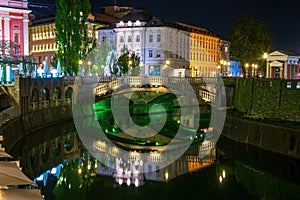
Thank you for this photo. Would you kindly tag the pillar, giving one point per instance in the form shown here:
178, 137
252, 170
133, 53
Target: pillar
268, 70
26, 37
6, 31
1, 29
285, 70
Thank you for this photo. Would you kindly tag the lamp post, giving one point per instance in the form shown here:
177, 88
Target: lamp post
228, 68
255, 66
89, 64
246, 66
167, 62
221, 65
265, 70
130, 67
81, 73
219, 69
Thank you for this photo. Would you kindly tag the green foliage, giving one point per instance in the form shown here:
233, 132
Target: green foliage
267, 99
73, 184
249, 40
53, 62
127, 60
72, 32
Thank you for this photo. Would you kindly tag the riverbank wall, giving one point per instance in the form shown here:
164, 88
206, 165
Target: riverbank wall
278, 139
16, 128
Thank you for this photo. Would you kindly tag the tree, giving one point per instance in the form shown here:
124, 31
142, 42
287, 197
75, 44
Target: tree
127, 60
9, 50
72, 33
249, 40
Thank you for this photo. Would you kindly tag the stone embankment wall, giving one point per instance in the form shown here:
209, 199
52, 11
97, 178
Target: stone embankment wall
278, 139
15, 129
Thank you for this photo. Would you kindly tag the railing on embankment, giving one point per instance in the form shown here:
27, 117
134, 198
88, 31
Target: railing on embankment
278, 139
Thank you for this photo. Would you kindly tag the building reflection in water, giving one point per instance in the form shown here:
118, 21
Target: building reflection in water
246, 173
134, 170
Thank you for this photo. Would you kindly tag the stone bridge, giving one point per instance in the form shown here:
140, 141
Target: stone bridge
32, 94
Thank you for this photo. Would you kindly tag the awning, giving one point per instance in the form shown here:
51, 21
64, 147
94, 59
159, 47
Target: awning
4, 155
10, 174
20, 194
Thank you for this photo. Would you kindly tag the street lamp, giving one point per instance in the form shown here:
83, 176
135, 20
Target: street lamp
129, 64
266, 71
246, 66
221, 65
219, 69
255, 72
167, 62
89, 64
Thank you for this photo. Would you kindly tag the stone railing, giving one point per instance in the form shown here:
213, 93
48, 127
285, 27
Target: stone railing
184, 84
9, 113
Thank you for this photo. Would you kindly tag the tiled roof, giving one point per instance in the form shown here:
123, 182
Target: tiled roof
137, 14
43, 21
289, 53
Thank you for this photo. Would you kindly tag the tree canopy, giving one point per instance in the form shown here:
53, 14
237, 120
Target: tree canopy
129, 60
72, 37
249, 41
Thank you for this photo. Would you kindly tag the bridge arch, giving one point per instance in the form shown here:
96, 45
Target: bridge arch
57, 93
69, 92
34, 100
45, 97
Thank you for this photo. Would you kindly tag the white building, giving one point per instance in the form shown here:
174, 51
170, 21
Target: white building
283, 64
163, 44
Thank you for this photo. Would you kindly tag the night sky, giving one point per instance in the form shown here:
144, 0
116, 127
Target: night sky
282, 19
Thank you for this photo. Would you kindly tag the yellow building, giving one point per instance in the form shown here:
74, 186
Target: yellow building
42, 35
208, 52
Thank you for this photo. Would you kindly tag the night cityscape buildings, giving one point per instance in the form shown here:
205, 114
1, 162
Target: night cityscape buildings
43, 116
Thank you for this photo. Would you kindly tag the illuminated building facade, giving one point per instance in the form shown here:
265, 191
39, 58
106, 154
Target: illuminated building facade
207, 51
283, 64
14, 44
14, 28
187, 50
42, 35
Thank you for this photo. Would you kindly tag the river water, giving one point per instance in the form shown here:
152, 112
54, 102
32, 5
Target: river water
230, 171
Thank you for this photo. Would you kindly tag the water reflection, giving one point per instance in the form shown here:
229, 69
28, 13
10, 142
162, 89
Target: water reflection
229, 171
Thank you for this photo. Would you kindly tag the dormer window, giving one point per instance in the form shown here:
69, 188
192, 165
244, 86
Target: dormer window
121, 23
129, 23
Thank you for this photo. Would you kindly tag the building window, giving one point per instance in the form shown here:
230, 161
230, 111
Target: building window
158, 39
121, 39
138, 38
150, 38
129, 39
150, 53
16, 38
